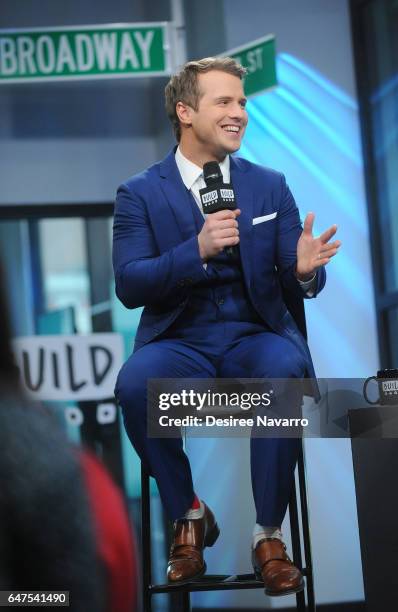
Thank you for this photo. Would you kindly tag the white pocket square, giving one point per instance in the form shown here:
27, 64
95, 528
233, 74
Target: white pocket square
257, 220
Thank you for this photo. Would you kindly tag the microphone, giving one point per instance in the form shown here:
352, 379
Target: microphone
216, 196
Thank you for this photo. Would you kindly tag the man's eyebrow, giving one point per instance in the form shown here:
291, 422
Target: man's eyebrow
219, 98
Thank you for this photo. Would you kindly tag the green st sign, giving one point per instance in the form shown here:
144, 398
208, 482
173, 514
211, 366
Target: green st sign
258, 57
81, 52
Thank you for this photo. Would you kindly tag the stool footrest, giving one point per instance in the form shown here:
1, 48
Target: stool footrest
211, 582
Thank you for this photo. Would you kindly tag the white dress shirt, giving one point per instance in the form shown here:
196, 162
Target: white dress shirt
192, 175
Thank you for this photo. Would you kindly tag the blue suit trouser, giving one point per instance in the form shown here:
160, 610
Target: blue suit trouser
273, 460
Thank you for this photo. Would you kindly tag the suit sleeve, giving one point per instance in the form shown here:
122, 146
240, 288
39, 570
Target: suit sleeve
289, 232
142, 275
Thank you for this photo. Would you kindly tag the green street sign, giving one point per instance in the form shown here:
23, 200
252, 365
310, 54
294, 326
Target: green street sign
258, 57
83, 52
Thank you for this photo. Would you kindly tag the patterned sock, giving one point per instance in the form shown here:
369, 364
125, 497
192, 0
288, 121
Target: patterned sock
195, 503
197, 509
260, 532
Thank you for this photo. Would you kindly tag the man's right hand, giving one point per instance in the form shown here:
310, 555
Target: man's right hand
220, 230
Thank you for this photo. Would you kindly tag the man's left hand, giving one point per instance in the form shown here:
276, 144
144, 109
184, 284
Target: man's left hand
312, 253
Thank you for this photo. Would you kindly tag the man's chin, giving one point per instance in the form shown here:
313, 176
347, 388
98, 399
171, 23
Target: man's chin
232, 148
225, 149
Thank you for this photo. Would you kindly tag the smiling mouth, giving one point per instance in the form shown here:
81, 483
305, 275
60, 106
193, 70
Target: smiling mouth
231, 129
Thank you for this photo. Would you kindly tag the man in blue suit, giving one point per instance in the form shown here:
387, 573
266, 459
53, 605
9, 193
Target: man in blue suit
207, 314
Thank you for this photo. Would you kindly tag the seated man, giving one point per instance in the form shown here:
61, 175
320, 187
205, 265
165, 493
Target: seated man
209, 314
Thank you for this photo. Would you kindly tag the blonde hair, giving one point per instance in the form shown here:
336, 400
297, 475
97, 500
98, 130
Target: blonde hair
183, 86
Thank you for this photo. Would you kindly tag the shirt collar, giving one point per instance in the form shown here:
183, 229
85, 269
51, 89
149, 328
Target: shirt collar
190, 172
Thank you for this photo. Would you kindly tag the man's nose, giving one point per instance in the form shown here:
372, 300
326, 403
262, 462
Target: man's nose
238, 111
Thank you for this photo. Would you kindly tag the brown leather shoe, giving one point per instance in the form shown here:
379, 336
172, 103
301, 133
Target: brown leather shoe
186, 554
272, 565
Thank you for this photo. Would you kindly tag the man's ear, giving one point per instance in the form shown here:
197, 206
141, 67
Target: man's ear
184, 113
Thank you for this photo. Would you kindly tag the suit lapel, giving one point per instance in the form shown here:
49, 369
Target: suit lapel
177, 196
244, 201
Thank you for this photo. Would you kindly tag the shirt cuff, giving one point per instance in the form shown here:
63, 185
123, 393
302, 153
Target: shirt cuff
308, 286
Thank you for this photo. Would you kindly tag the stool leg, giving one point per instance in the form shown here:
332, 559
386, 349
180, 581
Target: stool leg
146, 540
186, 601
180, 602
306, 532
296, 545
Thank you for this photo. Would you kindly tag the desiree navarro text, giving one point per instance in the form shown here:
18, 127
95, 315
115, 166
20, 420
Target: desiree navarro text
211, 421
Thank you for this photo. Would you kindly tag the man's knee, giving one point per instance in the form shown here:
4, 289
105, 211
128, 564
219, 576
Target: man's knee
290, 364
284, 361
131, 385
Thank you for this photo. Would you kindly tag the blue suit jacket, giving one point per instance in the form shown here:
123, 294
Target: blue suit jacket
156, 255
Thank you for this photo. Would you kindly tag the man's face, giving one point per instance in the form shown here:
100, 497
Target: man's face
217, 127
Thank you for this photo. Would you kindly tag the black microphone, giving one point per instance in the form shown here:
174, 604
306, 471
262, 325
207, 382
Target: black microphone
217, 195
212, 173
